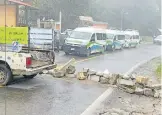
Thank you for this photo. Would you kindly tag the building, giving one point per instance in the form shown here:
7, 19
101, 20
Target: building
16, 12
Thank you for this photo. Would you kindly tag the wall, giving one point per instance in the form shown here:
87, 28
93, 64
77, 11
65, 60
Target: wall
10, 15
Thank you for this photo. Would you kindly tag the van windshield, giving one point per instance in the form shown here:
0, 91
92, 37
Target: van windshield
121, 37
80, 35
110, 36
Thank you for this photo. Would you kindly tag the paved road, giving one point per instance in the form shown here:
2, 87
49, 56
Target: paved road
45, 95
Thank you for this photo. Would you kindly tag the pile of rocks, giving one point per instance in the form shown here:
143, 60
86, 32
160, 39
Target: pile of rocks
128, 83
59, 73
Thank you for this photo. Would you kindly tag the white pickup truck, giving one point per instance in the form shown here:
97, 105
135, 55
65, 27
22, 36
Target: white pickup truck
12, 63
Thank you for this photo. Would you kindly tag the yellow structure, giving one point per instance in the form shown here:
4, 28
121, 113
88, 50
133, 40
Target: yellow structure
8, 18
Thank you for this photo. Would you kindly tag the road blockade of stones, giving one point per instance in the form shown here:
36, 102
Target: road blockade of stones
132, 84
139, 85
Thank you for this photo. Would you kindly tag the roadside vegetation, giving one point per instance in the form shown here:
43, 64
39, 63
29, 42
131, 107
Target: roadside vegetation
158, 71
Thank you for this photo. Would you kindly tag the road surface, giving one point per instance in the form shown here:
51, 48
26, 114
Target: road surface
45, 95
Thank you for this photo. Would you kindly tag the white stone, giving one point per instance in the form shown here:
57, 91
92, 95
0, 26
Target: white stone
125, 82
113, 79
94, 78
91, 72
104, 80
156, 86
85, 70
148, 92
58, 74
127, 77
71, 75
139, 91
99, 73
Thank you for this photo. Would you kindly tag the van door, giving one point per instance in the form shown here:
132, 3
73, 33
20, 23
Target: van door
93, 45
116, 42
101, 39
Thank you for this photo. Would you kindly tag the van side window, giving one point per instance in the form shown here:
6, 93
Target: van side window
99, 36
93, 37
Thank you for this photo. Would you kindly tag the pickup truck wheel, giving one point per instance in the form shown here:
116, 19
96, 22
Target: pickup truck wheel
29, 76
5, 75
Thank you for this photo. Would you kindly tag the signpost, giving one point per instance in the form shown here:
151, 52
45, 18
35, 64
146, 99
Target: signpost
17, 34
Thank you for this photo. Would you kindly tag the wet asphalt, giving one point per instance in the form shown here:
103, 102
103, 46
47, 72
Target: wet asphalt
45, 95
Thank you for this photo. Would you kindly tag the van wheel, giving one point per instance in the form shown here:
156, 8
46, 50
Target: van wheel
113, 48
129, 46
30, 76
5, 75
121, 47
88, 52
67, 53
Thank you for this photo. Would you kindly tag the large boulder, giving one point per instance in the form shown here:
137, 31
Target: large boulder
58, 74
81, 76
142, 80
139, 91
148, 92
113, 79
128, 83
85, 71
94, 78
104, 80
156, 86
91, 72
99, 73
126, 77
130, 90
70, 70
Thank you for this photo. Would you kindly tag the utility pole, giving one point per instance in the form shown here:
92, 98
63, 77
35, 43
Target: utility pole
123, 13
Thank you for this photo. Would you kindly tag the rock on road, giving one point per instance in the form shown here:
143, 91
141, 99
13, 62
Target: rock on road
45, 95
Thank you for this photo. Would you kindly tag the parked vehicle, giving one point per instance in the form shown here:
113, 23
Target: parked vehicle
85, 41
132, 38
28, 59
158, 40
115, 39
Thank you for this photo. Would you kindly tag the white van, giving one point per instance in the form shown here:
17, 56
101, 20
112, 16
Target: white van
132, 38
115, 39
85, 41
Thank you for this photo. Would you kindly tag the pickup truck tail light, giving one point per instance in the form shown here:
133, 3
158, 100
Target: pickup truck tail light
28, 62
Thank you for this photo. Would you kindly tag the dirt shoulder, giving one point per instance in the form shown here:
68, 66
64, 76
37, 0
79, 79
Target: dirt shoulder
122, 103
149, 69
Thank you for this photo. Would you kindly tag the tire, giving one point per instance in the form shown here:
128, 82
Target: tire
129, 46
30, 76
67, 53
88, 52
113, 48
5, 75
121, 47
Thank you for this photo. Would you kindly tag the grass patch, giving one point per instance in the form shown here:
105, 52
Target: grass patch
158, 71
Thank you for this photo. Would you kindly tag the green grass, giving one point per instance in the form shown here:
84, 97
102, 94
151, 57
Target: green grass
158, 71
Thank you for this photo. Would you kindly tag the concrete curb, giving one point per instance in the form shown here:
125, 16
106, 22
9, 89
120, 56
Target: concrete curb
91, 109
136, 66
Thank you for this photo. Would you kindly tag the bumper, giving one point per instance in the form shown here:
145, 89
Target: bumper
75, 49
158, 42
32, 71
